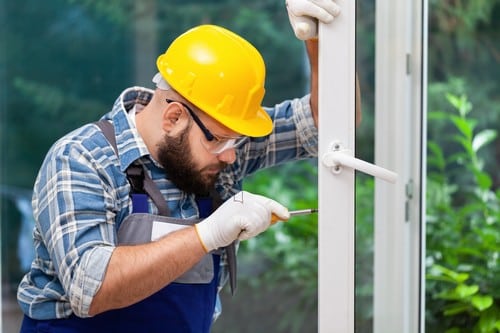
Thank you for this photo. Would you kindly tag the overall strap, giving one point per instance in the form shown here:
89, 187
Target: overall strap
140, 181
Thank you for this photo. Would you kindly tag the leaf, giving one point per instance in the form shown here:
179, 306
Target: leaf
437, 115
442, 273
439, 278
464, 290
460, 293
482, 138
465, 142
464, 126
482, 302
483, 180
435, 156
454, 100
461, 103
470, 251
488, 320
455, 308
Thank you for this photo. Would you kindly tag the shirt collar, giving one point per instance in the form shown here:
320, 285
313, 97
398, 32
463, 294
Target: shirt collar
130, 144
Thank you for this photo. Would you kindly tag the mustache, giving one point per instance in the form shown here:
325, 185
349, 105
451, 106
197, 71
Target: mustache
219, 166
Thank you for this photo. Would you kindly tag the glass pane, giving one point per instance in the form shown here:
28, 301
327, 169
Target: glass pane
463, 182
365, 59
62, 65
65, 64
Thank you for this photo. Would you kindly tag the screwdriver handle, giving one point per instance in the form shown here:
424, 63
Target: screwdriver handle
275, 218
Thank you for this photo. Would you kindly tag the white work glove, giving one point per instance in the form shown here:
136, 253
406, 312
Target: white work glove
305, 14
243, 216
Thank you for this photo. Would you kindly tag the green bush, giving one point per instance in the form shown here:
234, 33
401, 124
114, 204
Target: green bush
463, 234
290, 250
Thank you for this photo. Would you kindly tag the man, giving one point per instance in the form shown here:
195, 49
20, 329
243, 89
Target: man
136, 215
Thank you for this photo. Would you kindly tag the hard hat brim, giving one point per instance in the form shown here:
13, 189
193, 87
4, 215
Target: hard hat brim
260, 125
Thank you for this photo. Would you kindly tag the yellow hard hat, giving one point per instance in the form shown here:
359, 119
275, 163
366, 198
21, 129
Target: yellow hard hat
222, 74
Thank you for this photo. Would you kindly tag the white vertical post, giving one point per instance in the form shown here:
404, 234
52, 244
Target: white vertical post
400, 145
336, 79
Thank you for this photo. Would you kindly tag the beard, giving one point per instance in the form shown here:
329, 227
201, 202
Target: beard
175, 155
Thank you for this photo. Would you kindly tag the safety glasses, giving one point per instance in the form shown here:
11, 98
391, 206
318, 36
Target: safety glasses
214, 144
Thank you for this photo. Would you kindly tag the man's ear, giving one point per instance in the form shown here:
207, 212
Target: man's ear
173, 117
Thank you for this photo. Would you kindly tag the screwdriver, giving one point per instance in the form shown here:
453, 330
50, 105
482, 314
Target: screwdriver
275, 218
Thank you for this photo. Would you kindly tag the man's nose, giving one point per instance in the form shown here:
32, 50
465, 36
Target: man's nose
227, 156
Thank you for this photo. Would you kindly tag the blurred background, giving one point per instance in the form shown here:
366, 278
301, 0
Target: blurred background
64, 62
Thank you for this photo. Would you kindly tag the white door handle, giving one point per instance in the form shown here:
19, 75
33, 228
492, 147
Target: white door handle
343, 157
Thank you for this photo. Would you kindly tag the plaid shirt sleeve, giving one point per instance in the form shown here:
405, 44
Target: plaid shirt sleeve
294, 137
74, 205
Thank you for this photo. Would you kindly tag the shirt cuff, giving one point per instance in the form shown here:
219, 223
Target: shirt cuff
306, 129
88, 279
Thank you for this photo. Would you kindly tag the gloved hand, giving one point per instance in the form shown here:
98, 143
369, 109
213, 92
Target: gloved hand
305, 14
242, 216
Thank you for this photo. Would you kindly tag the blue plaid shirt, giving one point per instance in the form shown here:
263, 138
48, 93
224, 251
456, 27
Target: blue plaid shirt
81, 196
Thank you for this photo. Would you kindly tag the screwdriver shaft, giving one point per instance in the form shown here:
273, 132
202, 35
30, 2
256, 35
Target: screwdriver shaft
275, 218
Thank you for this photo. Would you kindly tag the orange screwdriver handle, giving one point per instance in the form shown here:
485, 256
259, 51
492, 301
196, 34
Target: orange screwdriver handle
275, 219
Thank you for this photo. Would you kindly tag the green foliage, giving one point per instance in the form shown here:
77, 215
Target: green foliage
463, 234
290, 249
117, 11
60, 65
463, 52
463, 291
67, 61
486, 113
464, 32
471, 310
463, 17
292, 245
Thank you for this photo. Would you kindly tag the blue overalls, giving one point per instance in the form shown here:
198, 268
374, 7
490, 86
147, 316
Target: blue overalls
184, 306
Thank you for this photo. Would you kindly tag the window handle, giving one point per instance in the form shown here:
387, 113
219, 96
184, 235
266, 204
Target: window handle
340, 157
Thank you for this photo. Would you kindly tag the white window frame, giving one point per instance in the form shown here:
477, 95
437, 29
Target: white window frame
399, 145
400, 141
336, 231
